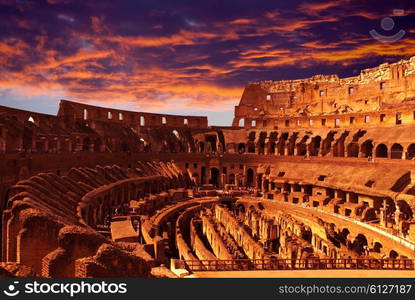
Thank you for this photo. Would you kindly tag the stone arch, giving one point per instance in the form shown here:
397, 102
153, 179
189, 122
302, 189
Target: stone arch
214, 177
327, 143
302, 146
291, 143
338, 147
281, 143
98, 145
261, 142
307, 234
231, 178
314, 146
377, 247
251, 147
211, 142
241, 148
250, 177
176, 133
393, 254
353, 149
86, 144
241, 208
406, 209
66, 145
366, 149
369, 214
410, 153
203, 175
272, 142
396, 151
381, 151
201, 147
345, 232
359, 244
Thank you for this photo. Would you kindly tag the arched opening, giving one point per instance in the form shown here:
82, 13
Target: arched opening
291, 143
211, 141
66, 145
411, 152
86, 144
232, 178
359, 244
201, 147
251, 147
393, 254
382, 151
98, 145
142, 145
302, 146
261, 142
307, 234
338, 147
272, 142
396, 151
176, 133
377, 247
281, 143
31, 119
271, 149
214, 177
405, 209
203, 175
241, 123
344, 234
250, 177
241, 148
85, 114
353, 149
315, 146
367, 148
142, 121
327, 143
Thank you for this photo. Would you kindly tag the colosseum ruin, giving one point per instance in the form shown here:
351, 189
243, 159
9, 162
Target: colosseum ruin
314, 174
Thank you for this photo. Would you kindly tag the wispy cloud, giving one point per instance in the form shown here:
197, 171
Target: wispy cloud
184, 55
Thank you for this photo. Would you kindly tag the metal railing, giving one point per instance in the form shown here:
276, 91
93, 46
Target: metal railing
300, 264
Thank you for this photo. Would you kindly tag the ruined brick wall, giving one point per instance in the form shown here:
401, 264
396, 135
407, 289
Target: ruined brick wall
45, 223
380, 88
237, 229
215, 240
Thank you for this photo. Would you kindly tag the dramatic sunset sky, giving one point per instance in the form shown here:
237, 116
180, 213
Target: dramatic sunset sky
184, 57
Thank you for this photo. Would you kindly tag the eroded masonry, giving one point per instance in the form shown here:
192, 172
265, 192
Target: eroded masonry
313, 174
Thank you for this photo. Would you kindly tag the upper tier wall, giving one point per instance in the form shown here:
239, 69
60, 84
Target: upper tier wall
79, 111
380, 88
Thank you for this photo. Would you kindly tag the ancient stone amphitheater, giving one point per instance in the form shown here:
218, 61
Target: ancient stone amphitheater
313, 174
